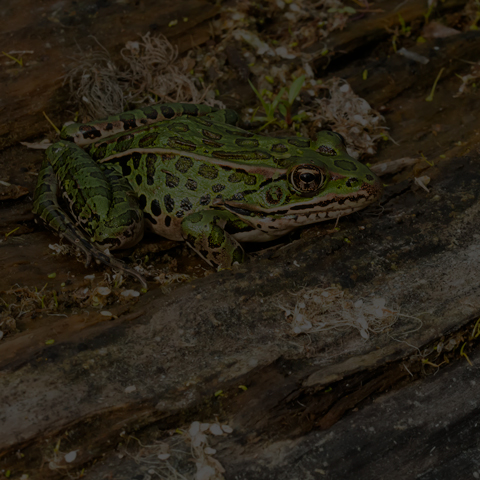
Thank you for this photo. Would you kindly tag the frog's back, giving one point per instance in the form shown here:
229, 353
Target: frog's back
203, 136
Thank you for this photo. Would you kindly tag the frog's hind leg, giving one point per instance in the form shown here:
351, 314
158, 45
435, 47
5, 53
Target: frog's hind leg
99, 201
205, 232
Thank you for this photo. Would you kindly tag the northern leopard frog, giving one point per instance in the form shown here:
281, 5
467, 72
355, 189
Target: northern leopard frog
188, 173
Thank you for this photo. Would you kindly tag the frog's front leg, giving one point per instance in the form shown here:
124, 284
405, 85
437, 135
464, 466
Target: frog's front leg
102, 211
206, 232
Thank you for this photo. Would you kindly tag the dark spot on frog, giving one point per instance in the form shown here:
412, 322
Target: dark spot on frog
346, 165
326, 150
142, 201
169, 203
203, 121
168, 221
191, 184
208, 171
186, 204
171, 181
211, 135
279, 148
179, 214
151, 113
190, 109
237, 196
136, 157
235, 177
247, 142
205, 199
274, 195
240, 133
212, 143
129, 121
218, 188
181, 144
349, 182
108, 127
369, 177
139, 179
183, 164
89, 132
122, 161
249, 180
151, 161
148, 217
167, 112
155, 207
299, 142
148, 140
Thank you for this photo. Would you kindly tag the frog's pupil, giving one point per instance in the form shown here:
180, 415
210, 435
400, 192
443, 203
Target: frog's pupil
307, 177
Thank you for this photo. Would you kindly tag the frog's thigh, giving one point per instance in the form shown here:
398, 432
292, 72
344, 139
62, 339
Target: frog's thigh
124, 219
204, 231
100, 199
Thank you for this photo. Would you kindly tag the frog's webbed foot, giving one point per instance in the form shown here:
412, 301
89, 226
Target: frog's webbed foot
92, 252
205, 233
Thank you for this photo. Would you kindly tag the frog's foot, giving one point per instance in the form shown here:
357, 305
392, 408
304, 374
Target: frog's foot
92, 252
205, 233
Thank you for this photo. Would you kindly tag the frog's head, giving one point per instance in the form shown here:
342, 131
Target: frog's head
325, 182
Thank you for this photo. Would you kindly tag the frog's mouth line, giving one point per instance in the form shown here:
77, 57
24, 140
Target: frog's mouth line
341, 204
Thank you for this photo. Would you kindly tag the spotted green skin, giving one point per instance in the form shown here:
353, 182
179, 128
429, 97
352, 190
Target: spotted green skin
188, 173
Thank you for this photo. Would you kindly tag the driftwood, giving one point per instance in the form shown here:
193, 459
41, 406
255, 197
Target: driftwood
318, 405
65, 31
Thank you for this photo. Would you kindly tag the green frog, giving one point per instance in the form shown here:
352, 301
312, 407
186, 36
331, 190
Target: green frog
187, 172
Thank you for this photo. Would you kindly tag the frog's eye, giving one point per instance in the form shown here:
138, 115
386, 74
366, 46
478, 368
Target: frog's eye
307, 180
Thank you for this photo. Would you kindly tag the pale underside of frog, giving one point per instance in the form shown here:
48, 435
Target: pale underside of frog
186, 172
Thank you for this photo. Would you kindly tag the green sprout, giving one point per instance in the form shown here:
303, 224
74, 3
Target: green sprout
284, 107
10, 232
398, 32
430, 97
51, 123
463, 354
11, 57
476, 330
404, 29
